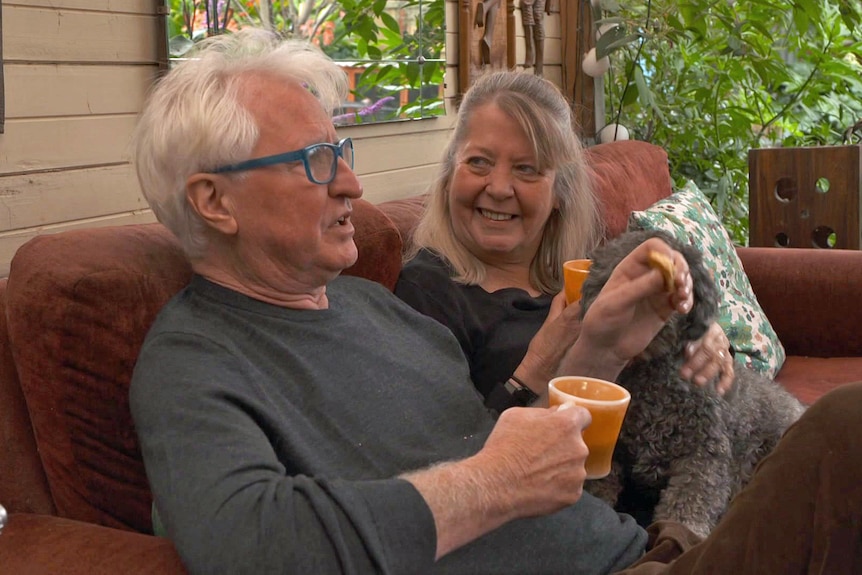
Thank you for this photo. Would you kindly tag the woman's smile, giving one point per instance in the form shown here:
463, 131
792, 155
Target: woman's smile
495, 216
499, 198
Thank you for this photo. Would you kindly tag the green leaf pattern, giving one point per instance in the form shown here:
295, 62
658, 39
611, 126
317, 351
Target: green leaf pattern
688, 216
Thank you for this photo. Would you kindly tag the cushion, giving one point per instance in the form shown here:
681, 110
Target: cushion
688, 216
379, 244
808, 378
627, 175
405, 214
42, 544
79, 305
23, 486
811, 297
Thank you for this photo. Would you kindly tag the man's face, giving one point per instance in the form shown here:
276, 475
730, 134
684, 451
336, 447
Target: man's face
292, 234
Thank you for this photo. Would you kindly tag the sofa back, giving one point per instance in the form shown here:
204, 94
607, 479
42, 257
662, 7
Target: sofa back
79, 304
627, 176
23, 486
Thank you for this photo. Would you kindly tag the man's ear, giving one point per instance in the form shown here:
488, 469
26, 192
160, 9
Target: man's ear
206, 194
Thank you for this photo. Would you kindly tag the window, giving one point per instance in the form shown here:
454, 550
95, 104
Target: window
391, 50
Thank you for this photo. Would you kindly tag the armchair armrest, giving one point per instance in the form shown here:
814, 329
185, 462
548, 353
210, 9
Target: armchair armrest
810, 296
33, 543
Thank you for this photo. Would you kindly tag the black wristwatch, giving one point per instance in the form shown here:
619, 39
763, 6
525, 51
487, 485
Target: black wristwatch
522, 394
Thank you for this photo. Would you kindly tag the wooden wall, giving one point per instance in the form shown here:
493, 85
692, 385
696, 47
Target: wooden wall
76, 75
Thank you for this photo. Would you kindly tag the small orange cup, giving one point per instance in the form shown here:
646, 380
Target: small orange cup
607, 403
574, 274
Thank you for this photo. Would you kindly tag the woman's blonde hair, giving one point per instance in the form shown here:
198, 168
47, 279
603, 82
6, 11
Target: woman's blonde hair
544, 114
194, 120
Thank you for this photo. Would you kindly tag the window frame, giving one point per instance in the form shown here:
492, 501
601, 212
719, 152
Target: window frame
404, 105
2, 84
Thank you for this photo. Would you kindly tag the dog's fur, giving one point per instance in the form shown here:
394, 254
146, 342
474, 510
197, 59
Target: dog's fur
681, 444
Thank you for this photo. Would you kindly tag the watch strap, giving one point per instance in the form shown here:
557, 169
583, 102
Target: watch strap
522, 394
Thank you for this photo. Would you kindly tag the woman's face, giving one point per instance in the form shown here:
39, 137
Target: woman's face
498, 200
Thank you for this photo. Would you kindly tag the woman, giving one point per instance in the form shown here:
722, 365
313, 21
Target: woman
513, 201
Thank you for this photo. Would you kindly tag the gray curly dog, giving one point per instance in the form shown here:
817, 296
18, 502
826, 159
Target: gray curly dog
682, 447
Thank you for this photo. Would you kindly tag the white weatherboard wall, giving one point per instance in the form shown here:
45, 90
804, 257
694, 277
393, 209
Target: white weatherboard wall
76, 75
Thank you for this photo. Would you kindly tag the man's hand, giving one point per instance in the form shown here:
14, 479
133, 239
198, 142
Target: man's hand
531, 464
538, 455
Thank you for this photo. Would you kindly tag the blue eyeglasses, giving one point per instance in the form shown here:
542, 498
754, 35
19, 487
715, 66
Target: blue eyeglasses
320, 160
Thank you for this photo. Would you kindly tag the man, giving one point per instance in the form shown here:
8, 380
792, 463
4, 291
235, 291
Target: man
293, 420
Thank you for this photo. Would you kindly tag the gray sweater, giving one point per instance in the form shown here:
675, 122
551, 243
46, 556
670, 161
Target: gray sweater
272, 438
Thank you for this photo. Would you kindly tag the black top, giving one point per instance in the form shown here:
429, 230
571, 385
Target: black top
494, 329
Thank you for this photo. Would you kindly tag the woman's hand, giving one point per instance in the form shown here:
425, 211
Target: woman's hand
630, 310
708, 358
550, 344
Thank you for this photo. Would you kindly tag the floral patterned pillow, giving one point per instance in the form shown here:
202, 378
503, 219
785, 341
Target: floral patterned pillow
688, 216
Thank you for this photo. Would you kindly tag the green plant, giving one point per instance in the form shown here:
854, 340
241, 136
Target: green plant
709, 80
405, 55
398, 44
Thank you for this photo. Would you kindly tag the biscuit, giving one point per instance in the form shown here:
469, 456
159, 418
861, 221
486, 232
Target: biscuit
664, 264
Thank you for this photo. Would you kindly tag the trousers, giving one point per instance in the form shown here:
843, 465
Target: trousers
801, 513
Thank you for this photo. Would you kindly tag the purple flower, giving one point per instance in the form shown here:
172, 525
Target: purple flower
375, 106
366, 111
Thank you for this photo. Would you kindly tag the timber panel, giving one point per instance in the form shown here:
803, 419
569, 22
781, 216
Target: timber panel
115, 6
384, 186
36, 200
53, 144
32, 90
806, 197
52, 35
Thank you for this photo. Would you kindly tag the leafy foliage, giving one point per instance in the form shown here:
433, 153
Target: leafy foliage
397, 44
708, 80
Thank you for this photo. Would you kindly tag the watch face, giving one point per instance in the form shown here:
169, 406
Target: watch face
524, 396
521, 394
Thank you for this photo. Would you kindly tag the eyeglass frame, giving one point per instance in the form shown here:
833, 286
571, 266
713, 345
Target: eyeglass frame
295, 156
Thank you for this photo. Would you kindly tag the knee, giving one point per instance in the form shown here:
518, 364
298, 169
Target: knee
837, 412
845, 400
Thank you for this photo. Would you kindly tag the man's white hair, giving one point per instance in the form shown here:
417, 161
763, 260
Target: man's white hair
193, 120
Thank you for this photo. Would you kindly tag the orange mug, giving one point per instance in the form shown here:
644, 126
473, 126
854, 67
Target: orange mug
574, 274
607, 403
